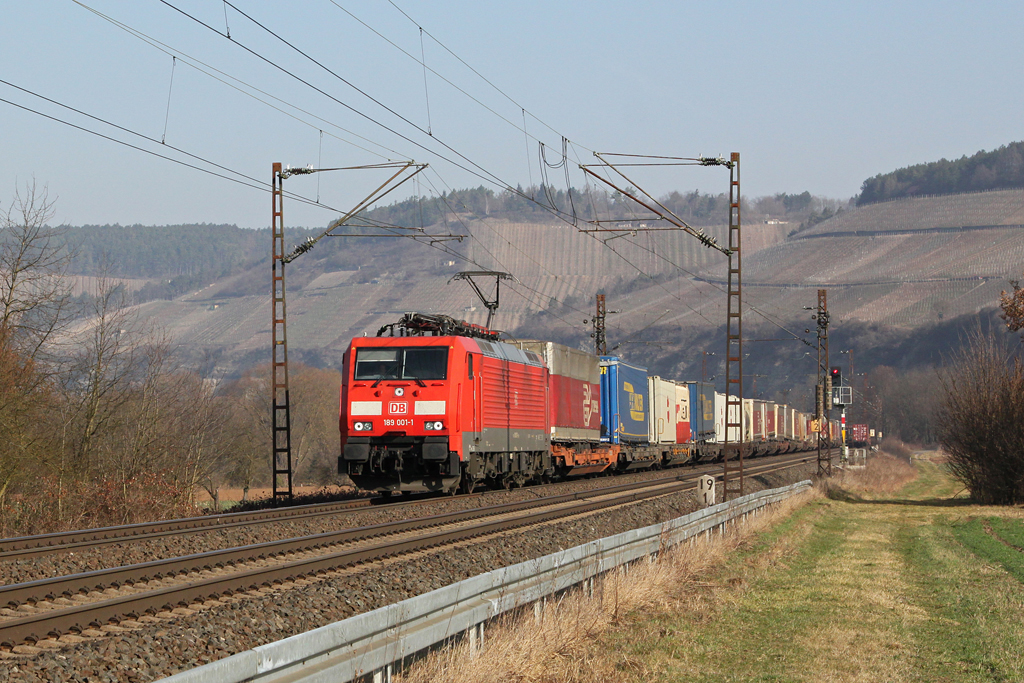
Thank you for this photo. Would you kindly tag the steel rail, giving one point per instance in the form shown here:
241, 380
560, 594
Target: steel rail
47, 589
56, 621
26, 547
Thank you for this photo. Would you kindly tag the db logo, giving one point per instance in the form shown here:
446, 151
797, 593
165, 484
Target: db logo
590, 404
398, 408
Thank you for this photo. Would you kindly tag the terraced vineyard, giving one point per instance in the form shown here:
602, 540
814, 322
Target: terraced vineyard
910, 264
999, 207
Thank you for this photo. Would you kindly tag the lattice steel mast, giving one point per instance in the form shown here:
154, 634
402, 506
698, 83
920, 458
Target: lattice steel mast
282, 433
281, 454
733, 445
732, 449
600, 335
824, 389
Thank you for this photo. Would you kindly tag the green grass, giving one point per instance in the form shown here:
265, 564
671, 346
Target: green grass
1001, 546
907, 589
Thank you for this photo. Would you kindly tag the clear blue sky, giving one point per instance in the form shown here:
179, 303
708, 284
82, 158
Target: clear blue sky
815, 96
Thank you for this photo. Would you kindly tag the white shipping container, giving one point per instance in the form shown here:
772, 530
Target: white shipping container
735, 416
719, 417
758, 422
772, 422
748, 420
682, 413
661, 421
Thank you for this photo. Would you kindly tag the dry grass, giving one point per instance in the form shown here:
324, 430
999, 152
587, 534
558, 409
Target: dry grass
563, 646
896, 447
883, 475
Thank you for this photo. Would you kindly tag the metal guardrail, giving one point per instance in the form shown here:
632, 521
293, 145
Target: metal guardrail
372, 642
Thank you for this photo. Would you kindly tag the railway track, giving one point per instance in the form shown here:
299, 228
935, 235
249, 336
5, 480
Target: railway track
27, 547
51, 607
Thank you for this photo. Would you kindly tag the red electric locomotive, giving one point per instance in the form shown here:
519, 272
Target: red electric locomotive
433, 413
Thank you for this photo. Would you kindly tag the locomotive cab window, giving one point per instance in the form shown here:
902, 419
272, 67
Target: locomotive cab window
418, 362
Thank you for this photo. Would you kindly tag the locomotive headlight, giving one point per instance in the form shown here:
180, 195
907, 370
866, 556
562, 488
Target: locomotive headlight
363, 426
399, 391
433, 426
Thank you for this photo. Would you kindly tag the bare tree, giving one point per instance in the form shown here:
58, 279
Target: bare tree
34, 297
314, 399
202, 441
25, 403
34, 262
248, 430
110, 350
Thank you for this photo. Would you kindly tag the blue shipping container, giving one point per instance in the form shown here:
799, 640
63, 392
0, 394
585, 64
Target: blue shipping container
702, 411
624, 402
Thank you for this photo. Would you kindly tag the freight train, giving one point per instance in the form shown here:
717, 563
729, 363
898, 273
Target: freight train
436, 404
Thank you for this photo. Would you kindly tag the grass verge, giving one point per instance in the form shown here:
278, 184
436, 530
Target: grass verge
568, 642
888, 578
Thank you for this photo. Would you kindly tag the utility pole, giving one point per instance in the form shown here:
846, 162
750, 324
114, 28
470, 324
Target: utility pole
733, 446
824, 389
600, 337
282, 453
732, 449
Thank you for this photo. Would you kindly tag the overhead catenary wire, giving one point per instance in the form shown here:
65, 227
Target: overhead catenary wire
206, 69
492, 177
170, 88
426, 92
478, 74
423, 63
252, 182
255, 183
511, 244
480, 171
242, 179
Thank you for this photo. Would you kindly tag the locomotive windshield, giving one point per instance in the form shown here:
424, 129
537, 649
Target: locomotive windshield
414, 362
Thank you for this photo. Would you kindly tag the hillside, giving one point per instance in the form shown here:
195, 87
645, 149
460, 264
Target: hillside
899, 274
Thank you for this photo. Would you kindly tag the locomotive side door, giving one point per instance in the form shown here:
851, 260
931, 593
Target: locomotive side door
475, 395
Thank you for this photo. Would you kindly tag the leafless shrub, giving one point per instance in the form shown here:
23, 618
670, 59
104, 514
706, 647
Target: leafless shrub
982, 421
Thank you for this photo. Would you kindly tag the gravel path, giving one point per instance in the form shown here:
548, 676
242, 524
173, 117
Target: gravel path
164, 646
